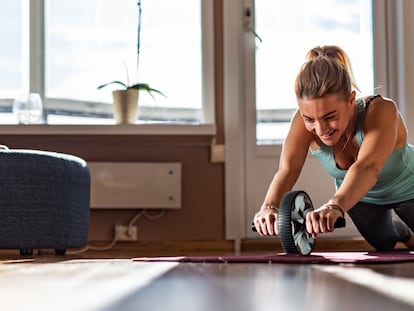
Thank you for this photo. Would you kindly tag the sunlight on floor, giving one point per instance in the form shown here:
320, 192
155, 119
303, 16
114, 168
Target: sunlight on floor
398, 288
74, 284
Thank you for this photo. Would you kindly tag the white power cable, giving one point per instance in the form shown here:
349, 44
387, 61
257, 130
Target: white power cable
114, 240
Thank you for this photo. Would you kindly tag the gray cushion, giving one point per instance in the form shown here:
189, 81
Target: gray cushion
44, 200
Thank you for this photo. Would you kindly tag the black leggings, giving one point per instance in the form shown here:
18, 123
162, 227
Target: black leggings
378, 226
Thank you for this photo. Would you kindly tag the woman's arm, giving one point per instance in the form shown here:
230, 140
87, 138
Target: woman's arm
293, 156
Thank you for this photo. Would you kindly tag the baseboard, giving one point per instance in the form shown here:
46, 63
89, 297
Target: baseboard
222, 247
203, 247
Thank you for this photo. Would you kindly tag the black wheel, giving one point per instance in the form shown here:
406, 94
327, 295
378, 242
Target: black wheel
60, 252
26, 251
292, 223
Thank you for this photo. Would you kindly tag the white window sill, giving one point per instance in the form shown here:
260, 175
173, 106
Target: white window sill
133, 129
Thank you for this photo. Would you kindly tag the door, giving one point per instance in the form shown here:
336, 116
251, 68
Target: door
273, 39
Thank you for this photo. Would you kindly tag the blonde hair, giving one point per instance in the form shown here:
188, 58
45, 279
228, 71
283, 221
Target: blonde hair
327, 71
335, 52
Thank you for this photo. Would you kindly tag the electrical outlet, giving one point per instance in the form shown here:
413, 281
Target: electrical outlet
126, 233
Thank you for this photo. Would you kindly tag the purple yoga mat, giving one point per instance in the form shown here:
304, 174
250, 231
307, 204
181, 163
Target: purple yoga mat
313, 258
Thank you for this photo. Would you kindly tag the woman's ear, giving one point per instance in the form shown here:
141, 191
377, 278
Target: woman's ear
352, 98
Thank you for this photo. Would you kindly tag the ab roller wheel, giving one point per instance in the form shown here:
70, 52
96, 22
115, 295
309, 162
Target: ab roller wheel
294, 237
292, 223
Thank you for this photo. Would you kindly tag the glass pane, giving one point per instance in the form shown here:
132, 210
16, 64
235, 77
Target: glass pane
91, 42
11, 52
289, 29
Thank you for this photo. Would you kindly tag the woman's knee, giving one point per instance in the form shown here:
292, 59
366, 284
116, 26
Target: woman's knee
375, 224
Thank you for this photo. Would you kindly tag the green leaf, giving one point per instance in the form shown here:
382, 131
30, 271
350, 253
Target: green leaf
137, 86
146, 87
113, 82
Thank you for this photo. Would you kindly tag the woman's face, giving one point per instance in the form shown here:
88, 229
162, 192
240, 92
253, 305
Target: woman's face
327, 117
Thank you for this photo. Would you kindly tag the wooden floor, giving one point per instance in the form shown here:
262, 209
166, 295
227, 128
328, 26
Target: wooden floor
110, 280
260, 287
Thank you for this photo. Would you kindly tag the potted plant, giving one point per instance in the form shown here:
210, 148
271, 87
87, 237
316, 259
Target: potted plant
125, 100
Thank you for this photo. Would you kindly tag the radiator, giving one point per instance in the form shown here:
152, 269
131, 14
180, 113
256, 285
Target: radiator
135, 185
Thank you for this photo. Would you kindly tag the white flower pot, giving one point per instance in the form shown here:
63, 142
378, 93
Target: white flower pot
125, 106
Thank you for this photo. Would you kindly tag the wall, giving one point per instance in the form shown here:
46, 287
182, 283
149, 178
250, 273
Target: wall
201, 216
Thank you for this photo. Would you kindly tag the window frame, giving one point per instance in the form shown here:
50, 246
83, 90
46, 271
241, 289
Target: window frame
36, 59
382, 52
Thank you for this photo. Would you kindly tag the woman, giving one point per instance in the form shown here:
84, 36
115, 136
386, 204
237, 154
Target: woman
361, 142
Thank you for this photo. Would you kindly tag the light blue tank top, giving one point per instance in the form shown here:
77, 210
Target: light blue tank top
396, 180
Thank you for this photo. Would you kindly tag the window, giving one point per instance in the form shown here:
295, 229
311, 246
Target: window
78, 45
12, 65
287, 30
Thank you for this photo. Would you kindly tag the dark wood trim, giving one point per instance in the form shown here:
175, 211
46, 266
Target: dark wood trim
196, 248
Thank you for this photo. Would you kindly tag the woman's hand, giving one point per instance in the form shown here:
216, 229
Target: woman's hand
265, 220
322, 220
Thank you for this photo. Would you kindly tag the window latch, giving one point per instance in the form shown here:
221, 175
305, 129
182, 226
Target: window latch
249, 23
